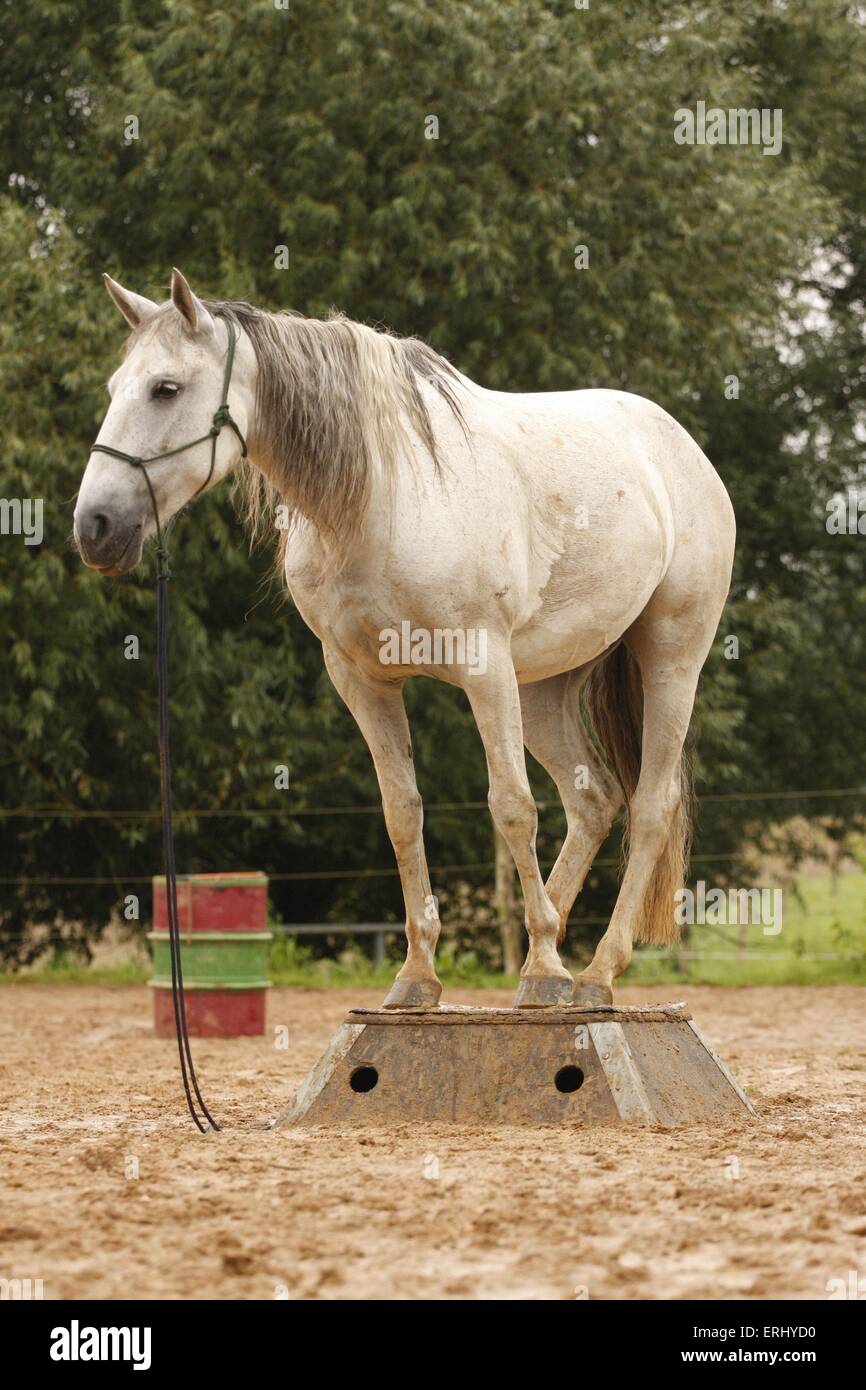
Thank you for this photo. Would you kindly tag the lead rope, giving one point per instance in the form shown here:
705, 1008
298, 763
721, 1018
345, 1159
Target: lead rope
177, 990
221, 417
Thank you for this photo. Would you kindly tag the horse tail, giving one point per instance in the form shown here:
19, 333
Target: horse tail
613, 702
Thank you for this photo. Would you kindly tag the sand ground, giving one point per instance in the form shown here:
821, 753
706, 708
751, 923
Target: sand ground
107, 1191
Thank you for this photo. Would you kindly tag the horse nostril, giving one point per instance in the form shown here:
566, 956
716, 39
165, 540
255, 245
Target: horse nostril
94, 531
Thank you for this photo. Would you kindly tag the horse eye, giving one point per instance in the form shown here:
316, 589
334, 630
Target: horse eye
165, 390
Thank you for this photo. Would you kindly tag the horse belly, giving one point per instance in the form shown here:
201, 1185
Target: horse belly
570, 630
589, 584
599, 532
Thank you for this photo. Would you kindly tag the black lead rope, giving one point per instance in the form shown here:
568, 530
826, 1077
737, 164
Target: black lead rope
177, 991
221, 417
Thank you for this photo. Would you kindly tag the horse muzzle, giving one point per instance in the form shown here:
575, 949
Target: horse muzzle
108, 543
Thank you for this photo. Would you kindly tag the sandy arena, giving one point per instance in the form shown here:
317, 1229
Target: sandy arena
514, 1214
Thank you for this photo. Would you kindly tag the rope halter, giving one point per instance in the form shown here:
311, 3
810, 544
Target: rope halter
222, 416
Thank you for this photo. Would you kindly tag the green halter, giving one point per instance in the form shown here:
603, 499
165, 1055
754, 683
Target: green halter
222, 416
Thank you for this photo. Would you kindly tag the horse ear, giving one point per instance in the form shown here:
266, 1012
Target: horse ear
188, 304
134, 307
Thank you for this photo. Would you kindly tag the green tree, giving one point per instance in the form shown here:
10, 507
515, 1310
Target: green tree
255, 129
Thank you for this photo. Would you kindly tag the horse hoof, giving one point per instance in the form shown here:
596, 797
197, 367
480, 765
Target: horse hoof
588, 994
413, 994
543, 991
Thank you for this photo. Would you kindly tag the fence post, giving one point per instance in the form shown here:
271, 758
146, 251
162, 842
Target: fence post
506, 906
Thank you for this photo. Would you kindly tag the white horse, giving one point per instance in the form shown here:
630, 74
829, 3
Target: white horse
563, 558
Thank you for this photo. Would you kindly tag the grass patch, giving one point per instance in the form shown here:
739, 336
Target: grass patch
290, 962
822, 941
71, 970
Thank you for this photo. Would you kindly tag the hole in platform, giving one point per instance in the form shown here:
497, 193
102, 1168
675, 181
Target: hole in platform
365, 1078
568, 1079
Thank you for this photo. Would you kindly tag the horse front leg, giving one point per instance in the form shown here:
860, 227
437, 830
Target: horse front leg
381, 716
494, 698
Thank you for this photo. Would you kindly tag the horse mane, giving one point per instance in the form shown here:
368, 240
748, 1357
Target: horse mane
332, 397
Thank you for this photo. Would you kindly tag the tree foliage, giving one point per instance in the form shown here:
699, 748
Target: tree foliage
257, 128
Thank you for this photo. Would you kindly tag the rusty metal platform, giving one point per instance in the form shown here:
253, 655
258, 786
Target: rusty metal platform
458, 1065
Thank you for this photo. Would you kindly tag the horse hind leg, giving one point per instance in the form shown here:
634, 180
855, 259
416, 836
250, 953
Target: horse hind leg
659, 810
554, 733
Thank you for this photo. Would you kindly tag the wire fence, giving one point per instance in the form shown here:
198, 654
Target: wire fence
79, 813
59, 812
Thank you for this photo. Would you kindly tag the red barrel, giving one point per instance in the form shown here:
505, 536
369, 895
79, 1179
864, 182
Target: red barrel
222, 919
